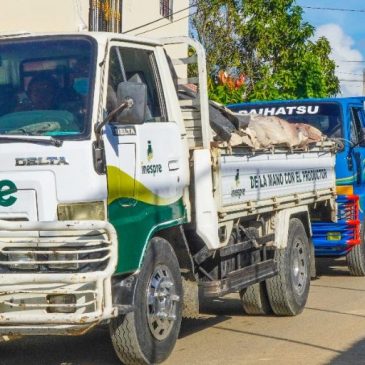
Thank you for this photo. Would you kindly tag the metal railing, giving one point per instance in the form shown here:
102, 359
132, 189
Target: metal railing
105, 16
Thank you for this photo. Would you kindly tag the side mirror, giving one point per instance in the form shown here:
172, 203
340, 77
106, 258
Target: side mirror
361, 142
138, 93
129, 107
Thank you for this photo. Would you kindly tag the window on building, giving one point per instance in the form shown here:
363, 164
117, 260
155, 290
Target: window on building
166, 8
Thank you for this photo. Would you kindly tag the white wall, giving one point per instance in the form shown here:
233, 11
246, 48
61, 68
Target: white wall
136, 13
67, 16
139, 12
42, 15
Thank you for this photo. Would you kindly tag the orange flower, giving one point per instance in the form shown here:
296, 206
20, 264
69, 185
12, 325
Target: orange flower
240, 81
230, 83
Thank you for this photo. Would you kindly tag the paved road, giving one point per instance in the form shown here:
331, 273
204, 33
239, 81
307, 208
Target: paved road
331, 330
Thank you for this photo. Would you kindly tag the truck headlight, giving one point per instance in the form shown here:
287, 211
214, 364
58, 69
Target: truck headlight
81, 211
65, 261
23, 261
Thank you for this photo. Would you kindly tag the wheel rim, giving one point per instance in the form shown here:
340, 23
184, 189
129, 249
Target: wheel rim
161, 302
299, 267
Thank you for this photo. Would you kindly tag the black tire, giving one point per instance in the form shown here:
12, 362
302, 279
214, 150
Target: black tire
313, 268
356, 257
254, 299
288, 291
140, 337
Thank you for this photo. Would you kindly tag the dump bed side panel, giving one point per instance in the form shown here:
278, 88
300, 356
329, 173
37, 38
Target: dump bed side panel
247, 178
253, 178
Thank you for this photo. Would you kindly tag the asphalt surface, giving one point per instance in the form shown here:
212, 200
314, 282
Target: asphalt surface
331, 330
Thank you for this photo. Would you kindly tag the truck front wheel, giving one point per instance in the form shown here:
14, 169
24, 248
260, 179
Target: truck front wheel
356, 257
288, 291
149, 333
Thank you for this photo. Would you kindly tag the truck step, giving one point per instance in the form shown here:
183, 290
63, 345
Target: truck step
239, 279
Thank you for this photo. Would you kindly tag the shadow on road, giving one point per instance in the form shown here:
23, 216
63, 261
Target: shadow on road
226, 306
94, 348
355, 355
190, 326
331, 266
221, 308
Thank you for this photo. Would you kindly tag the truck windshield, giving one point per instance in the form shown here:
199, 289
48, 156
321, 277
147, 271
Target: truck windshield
324, 116
46, 86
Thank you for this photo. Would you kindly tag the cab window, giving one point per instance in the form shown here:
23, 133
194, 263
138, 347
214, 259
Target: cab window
136, 65
46, 86
356, 131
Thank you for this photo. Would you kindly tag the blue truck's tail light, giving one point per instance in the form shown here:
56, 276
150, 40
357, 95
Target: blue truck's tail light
349, 212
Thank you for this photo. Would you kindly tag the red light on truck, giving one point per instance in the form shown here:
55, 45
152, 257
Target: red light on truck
352, 212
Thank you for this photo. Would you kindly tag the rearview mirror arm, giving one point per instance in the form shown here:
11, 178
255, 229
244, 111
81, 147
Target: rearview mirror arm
98, 145
126, 104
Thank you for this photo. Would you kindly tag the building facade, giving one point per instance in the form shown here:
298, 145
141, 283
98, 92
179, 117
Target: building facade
151, 18
156, 18
43, 15
148, 18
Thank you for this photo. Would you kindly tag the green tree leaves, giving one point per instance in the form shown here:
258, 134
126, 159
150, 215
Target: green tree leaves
269, 43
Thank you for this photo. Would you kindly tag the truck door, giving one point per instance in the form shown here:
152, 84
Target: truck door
144, 161
357, 139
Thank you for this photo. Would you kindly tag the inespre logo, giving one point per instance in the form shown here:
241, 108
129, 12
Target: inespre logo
7, 188
149, 151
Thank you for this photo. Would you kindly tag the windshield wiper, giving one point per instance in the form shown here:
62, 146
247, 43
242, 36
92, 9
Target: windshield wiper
32, 139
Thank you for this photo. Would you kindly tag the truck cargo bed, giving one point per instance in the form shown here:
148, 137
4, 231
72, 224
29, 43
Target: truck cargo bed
252, 182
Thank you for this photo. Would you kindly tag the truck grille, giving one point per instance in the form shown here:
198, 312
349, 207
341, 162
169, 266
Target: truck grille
45, 255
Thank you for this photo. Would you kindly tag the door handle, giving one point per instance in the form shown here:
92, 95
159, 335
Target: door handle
174, 165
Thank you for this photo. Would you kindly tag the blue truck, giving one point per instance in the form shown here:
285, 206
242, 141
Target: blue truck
344, 120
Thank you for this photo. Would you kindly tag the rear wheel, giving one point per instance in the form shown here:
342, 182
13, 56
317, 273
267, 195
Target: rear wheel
356, 257
288, 291
149, 333
255, 300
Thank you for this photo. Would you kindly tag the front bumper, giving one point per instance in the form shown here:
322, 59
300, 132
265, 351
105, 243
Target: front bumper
337, 239
42, 260
334, 247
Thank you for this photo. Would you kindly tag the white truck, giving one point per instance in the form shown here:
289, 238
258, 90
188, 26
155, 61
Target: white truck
117, 207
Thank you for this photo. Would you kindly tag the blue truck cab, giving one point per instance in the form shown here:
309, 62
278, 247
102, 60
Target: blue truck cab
344, 120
